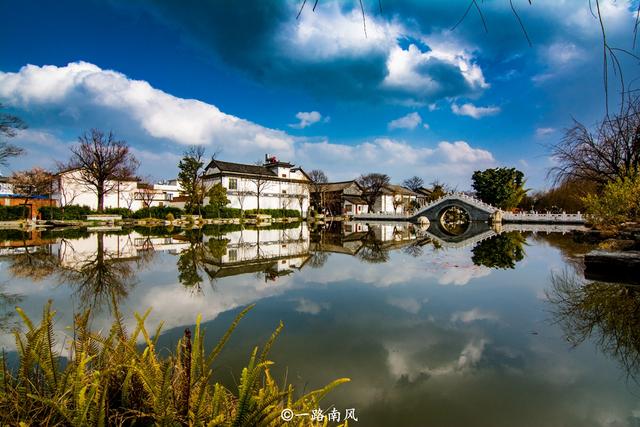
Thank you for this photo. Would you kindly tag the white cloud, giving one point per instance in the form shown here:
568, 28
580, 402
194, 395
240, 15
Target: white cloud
333, 33
307, 119
471, 110
310, 307
451, 161
541, 132
410, 121
81, 85
159, 124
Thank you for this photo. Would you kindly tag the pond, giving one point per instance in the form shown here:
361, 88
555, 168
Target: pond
483, 327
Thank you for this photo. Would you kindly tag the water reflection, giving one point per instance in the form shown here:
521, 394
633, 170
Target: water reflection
434, 329
607, 312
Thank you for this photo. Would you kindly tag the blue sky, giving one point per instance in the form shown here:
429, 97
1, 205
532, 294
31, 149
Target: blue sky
247, 78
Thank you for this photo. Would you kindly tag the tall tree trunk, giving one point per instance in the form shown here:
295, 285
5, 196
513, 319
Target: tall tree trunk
100, 197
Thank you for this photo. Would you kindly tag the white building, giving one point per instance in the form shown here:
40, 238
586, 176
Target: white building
394, 199
6, 188
70, 189
274, 185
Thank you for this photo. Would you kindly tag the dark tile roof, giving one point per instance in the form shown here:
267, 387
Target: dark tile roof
355, 199
337, 186
241, 168
397, 189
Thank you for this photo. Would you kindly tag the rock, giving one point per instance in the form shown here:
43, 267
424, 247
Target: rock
620, 267
616, 244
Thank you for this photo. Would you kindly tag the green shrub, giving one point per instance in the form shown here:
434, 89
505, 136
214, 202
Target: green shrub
124, 212
159, 212
13, 213
211, 211
170, 217
72, 212
276, 213
618, 202
13, 235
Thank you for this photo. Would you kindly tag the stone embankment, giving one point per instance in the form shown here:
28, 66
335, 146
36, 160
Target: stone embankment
617, 258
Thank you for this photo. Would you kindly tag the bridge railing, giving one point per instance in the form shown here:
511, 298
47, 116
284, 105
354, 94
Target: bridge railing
543, 217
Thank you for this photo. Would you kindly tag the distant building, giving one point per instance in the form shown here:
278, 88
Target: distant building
273, 185
5, 186
69, 189
394, 199
341, 198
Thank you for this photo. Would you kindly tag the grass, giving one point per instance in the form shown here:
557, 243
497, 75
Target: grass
109, 379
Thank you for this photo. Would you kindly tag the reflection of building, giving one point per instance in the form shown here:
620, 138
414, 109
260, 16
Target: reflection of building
274, 252
273, 185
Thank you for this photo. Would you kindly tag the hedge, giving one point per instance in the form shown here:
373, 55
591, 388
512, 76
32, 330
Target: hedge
12, 213
13, 235
123, 212
210, 211
73, 212
275, 213
159, 212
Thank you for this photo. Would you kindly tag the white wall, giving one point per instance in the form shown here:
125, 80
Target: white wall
72, 191
274, 194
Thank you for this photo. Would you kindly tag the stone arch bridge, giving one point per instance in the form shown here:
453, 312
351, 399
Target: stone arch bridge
476, 210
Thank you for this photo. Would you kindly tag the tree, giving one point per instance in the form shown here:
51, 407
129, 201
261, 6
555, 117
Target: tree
397, 201
618, 202
609, 152
9, 127
102, 161
241, 196
31, 183
372, 185
301, 195
318, 179
414, 183
190, 177
218, 197
146, 194
500, 187
261, 183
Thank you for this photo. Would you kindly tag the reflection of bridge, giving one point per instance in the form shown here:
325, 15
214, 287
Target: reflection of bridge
476, 209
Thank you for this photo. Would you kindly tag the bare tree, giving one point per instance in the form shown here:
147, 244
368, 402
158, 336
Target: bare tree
102, 161
372, 185
241, 196
9, 127
414, 183
610, 151
32, 183
146, 194
301, 195
318, 179
261, 183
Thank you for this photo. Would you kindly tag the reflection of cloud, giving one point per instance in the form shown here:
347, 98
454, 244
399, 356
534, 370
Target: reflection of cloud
410, 305
402, 362
473, 315
310, 307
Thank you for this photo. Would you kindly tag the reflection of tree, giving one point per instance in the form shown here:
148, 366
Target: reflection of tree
193, 260
501, 251
373, 250
34, 263
100, 277
318, 259
608, 312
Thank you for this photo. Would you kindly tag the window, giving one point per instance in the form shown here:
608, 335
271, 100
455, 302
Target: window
233, 184
233, 255
284, 191
284, 175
